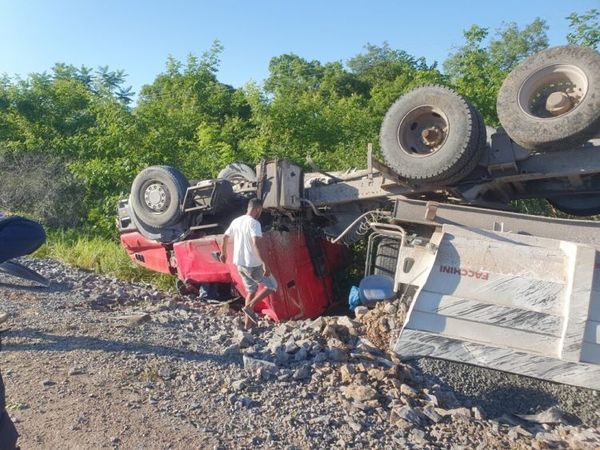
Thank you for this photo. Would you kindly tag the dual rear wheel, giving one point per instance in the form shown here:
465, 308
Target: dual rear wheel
551, 101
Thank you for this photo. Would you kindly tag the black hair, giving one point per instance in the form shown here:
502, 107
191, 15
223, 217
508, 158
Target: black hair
255, 203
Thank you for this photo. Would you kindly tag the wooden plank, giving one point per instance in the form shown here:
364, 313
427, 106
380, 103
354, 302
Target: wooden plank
495, 336
414, 343
578, 296
489, 313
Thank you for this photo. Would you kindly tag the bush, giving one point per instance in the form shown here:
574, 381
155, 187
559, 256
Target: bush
40, 186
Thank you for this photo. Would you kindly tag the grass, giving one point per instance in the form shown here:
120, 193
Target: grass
102, 255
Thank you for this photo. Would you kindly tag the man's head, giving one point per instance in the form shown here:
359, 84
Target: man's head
254, 208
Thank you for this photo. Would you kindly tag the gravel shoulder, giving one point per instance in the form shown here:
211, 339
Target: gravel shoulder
93, 362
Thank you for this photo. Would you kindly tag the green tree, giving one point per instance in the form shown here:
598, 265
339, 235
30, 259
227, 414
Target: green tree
477, 69
511, 45
585, 28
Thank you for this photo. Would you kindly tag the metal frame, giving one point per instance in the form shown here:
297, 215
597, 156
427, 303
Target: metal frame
507, 172
437, 214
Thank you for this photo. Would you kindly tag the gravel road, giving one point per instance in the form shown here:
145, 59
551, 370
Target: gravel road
92, 362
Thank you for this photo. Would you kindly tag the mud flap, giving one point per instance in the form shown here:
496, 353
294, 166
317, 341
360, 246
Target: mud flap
511, 302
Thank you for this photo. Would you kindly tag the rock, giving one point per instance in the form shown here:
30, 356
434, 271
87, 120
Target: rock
265, 374
76, 371
465, 412
243, 339
330, 333
356, 427
405, 389
390, 308
346, 372
337, 354
302, 373
360, 311
447, 399
550, 438
320, 357
347, 322
301, 355
291, 346
407, 413
377, 374
317, 324
551, 415
281, 356
418, 437
136, 319
359, 393
48, 383
165, 373
239, 384
509, 419
365, 345
432, 399
478, 413
254, 364
430, 412
231, 350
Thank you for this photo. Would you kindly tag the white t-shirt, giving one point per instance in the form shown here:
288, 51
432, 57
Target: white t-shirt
243, 230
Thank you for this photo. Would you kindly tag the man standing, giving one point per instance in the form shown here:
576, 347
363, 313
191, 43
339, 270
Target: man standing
245, 231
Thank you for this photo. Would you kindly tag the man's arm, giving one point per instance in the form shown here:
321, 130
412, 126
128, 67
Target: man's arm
223, 257
255, 240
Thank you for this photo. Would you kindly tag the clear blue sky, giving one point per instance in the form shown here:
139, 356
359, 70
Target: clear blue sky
138, 36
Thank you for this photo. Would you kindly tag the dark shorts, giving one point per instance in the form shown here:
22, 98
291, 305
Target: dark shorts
253, 276
19, 237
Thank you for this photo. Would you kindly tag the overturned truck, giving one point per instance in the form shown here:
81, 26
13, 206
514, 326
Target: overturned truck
486, 285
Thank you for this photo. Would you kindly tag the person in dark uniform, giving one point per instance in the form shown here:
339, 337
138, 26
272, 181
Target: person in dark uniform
18, 237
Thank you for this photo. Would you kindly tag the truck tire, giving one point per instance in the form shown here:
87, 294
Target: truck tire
157, 194
236, 172
386, 257
431, 135
552, 99
577, 204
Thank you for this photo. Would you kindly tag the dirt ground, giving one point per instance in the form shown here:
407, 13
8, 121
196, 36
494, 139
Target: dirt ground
93, 362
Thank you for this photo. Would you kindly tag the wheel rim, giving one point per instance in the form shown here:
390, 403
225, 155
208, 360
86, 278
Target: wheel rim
423, 131
156, 197
553, 91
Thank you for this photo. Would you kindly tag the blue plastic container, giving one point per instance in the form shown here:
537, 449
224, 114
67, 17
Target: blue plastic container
375, 288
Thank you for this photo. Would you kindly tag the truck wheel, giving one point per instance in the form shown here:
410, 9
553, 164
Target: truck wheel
237, 172
157, 194
432, 135
386, 257
552, 99
577, 204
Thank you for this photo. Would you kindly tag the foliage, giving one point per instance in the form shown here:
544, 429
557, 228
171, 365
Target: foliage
477, 69
585, 28
73, 133
40, 185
